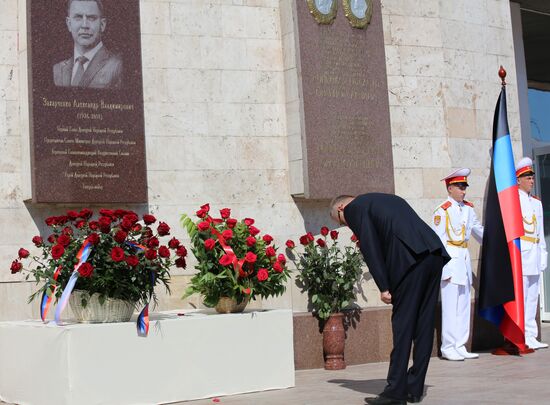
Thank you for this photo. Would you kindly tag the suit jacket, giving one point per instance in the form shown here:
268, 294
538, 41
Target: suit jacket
103, 72
392, 237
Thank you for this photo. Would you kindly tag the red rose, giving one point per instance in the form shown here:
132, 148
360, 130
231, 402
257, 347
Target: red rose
86, 270
310, 236
226, 260
324, 231
164, 252
153, 242
270, 251
15, 267
62, 219
72, 215
231, 222
262, 274
278, 267
67, 230
131, 217
281, 258
85, 213
57, 251
120, 213
105, 224
51, 221
137, 227
23, 253
267, 239
151, 254
250, 241
321, 243
117, 254
106, 213
253, 230
290, 244
248, 221
80, 224
304, 240
64, 240
205, 207
120, 236
173, 243
180, 262
246, 291
163, 229
147, 232
250, 257
334, 234
227, 234
225, 213
354, 238
149, 219
127, 224
203, 226
201, 213
209, 244
38, 241
132, 261
52, 238
181, 251
94, 225
93, 238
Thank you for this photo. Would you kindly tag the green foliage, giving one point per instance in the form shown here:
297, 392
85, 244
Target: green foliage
222, 268
328, 273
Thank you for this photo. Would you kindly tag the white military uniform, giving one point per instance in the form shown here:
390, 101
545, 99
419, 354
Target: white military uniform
533, 255
454, 223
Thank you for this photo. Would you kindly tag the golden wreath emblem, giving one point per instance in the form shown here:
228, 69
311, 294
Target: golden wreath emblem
437, 220
358, 12
324, 11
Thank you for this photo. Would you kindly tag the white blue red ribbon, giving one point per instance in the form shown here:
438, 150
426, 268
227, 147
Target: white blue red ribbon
82, 256
47, 298
142, 322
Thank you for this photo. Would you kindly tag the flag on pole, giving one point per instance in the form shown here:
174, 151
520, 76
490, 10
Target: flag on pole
501, 282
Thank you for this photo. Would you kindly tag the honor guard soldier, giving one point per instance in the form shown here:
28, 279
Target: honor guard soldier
533, 249
454, 221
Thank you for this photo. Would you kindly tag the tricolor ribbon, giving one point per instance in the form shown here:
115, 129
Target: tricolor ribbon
142, 322
47, 297
82, 256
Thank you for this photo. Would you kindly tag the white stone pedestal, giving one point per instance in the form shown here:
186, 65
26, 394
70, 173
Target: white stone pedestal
198, 355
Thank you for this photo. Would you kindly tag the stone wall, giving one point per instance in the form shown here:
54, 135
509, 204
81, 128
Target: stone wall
219, 125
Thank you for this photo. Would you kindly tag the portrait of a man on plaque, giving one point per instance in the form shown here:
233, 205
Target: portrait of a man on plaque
92, 64
359, 8
324, 6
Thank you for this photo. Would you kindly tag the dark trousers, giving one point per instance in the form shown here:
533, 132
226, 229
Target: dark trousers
413, 321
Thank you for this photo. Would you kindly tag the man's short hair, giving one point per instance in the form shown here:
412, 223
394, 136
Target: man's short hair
337, 200
98, 2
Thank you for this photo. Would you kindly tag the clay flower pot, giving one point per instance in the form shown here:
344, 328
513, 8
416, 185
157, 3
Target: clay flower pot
334, 339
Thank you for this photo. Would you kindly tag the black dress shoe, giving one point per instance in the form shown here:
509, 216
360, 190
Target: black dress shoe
381, 400
413, 399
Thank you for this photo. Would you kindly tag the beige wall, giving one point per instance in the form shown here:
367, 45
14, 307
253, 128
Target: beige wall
219, 116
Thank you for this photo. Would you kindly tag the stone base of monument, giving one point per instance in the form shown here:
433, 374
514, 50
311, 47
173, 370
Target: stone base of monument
198, 355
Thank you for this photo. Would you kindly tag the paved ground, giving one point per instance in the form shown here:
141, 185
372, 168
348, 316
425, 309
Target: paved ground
487, 380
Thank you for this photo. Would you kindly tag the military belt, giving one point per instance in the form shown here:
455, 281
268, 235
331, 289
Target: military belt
530, 239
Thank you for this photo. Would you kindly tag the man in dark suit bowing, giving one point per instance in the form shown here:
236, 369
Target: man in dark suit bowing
92, 64
405, 258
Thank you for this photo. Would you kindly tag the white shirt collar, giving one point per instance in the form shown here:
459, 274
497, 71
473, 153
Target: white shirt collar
454, 202
523, 192
88, 55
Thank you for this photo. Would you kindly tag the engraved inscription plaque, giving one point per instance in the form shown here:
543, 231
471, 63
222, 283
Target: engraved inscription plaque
86, 91
346, 138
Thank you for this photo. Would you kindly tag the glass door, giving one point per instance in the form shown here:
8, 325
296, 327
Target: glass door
542, 170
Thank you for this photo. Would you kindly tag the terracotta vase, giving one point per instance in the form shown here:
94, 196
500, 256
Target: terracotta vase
228, 305
334, 339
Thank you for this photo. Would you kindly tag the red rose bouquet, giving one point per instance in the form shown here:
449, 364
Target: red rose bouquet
126, 256
326, 271
233, 259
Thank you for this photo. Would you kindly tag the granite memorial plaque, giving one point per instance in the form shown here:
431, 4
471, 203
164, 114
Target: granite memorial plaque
86, 109
346, 136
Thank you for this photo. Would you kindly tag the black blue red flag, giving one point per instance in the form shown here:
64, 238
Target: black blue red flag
501, 282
